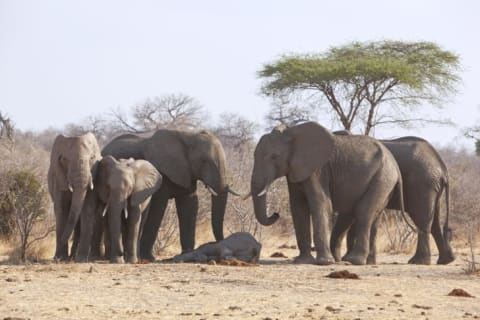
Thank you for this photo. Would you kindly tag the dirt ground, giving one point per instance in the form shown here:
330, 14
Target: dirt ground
276, 289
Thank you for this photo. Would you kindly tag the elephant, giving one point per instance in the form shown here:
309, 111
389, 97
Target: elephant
125, 186
425, 179
73, 162
182, 158
240, 245
355, 176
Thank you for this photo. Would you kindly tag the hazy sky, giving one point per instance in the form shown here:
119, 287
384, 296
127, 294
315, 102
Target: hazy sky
61, 61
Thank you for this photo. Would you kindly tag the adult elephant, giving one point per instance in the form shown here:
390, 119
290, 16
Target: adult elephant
125, 186
425, 179
70, 185
353, 175
182, 158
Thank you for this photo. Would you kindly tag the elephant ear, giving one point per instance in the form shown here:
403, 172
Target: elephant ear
167, 151
312, 146
57, 166
147, 181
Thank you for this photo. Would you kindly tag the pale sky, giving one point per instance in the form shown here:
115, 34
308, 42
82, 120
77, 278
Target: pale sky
61, 61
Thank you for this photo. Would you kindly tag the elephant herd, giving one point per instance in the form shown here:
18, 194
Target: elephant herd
120, 193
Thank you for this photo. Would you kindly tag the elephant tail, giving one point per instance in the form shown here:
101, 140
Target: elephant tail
446, 229
399, 192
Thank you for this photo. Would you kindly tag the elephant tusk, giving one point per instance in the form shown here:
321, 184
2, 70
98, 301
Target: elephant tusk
91, 185
212, 191
126, 210
104, 212
70, 188
233, 192
263, 192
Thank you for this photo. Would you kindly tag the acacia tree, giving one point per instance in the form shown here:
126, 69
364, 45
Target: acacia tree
357, 78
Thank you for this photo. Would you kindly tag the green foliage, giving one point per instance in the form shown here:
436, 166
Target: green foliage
25, 193
24, 204
362, 75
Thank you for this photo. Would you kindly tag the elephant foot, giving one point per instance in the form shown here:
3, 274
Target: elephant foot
324, 261
355, 259
61, 259
371, 259
419, 260
147, 256
131, 259
304, 259
118, 259
446, 258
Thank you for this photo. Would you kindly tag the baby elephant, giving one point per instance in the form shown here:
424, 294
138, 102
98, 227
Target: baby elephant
124, 188
240, 245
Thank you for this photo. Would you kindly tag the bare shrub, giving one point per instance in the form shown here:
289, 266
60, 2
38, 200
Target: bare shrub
400, 237
464, 172
168, 234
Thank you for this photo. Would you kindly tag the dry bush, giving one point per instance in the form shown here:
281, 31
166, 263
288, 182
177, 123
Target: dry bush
395, 234
168, 234
464, 172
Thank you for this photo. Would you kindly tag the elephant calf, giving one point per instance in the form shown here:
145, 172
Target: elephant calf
125, 186
240, 245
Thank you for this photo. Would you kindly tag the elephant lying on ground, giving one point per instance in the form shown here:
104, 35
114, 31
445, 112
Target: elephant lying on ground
240, 245
425, 179
355, 176
124, 188
70, 184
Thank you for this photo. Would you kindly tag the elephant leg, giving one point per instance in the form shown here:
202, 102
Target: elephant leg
338, 233
86, 228
301, 224
187, 208
366, 212
372, 253
61, 205
320, 209
422, 215
445, 252
133, 229
158, 205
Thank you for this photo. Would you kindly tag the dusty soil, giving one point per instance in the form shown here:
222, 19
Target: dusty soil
276, 289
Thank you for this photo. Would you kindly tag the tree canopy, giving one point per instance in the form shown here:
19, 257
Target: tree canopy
358, 77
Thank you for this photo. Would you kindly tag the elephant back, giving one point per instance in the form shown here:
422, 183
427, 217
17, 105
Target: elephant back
126, 146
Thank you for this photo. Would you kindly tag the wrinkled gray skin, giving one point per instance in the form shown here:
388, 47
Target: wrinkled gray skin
182, 158
70, 185
353, 175
240, 245
425, 178
124, 188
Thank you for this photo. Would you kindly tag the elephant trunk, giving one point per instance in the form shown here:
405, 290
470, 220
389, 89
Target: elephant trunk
219, 204
260, 209
79, 181
78, 198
